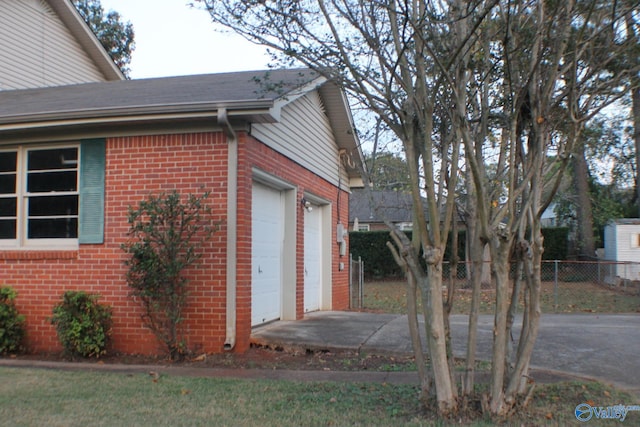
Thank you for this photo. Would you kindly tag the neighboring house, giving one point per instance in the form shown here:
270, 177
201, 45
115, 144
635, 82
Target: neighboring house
622, 244
267, 146
368, 212
549, 217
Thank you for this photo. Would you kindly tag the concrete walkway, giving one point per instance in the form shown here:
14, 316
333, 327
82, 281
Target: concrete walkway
602, 347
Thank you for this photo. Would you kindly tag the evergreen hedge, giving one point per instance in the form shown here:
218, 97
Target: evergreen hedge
371, 246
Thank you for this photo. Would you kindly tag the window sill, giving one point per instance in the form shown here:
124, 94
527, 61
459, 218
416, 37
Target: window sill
38, 254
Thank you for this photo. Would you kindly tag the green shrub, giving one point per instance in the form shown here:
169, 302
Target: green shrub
555, 243
11, 322
371, 246
167, 234
83, 325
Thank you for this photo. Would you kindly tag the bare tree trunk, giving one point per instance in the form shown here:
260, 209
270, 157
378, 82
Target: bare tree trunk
436, 338
511, 315
408, 261
584, 208
451, 289
476, 250
533, 271
416, 340
635, 107
635, 97
500, 246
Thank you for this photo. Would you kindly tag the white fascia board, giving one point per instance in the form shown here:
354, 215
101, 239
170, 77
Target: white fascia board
291, 96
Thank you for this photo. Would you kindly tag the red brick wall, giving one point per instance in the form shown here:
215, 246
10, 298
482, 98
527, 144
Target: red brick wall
136, 167
253, 154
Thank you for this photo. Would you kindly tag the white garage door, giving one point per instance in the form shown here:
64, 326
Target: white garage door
266, 248
312, 259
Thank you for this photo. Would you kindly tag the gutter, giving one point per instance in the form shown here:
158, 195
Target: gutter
232, 222
99, 114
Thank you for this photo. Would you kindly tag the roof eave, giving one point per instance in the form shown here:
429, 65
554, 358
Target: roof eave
262, 111
345, 133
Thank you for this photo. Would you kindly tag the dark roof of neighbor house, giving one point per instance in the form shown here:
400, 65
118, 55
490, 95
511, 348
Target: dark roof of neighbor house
625, 221
395, 206
197, 93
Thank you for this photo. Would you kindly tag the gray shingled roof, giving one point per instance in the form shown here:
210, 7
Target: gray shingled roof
168, 94
394, 205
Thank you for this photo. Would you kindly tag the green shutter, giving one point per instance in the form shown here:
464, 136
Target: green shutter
92, 173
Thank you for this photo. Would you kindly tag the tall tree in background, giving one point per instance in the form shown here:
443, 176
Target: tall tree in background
388, 171
462, 84
612, 61
633, 33
116, 36
608, 180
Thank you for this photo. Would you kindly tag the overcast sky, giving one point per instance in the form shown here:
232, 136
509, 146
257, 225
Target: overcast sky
173, 39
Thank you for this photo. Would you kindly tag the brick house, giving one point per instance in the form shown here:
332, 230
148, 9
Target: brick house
274, 148
368, 209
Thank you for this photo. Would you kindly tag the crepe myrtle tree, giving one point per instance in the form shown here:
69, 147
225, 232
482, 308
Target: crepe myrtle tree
463, 85
166, 236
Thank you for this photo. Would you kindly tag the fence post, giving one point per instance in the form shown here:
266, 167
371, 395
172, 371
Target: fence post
350, 280
361, 280
555, 286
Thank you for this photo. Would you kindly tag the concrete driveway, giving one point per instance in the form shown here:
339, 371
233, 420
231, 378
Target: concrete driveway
603, 347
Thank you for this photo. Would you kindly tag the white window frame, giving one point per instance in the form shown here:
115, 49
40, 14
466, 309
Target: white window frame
22, 241
363, 227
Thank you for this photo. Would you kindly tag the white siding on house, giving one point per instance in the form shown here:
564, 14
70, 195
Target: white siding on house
627, 243
622, 244
37, 49
304, 135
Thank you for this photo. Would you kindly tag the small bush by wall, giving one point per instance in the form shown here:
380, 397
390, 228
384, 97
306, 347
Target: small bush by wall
83, 325
12, 329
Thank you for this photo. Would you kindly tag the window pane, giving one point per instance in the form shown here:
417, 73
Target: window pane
8, 207
52, 181
7, 228
8, 183
58, 158
53, 206
8, 161
59, 228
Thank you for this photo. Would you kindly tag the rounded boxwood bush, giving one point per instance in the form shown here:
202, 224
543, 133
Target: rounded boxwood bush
12, 328
83, 325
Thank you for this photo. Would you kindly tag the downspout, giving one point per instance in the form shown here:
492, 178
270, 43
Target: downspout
232, 221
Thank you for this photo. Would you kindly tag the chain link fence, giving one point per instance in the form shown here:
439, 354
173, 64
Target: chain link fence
572, 286
567, 287
356, 283
588, 286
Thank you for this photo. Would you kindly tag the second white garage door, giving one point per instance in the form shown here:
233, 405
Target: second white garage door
312, 259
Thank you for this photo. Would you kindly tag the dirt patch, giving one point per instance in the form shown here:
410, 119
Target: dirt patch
566, 297
255, 358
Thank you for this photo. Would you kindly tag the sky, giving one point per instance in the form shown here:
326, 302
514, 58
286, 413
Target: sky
173, 39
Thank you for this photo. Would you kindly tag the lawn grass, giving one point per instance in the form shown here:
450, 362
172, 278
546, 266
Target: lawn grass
37, 397
32, 397
578, 297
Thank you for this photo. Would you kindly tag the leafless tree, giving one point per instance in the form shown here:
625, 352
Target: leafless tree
484, 95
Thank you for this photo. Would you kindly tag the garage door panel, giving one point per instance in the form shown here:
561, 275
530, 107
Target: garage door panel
267, 242
312, 259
